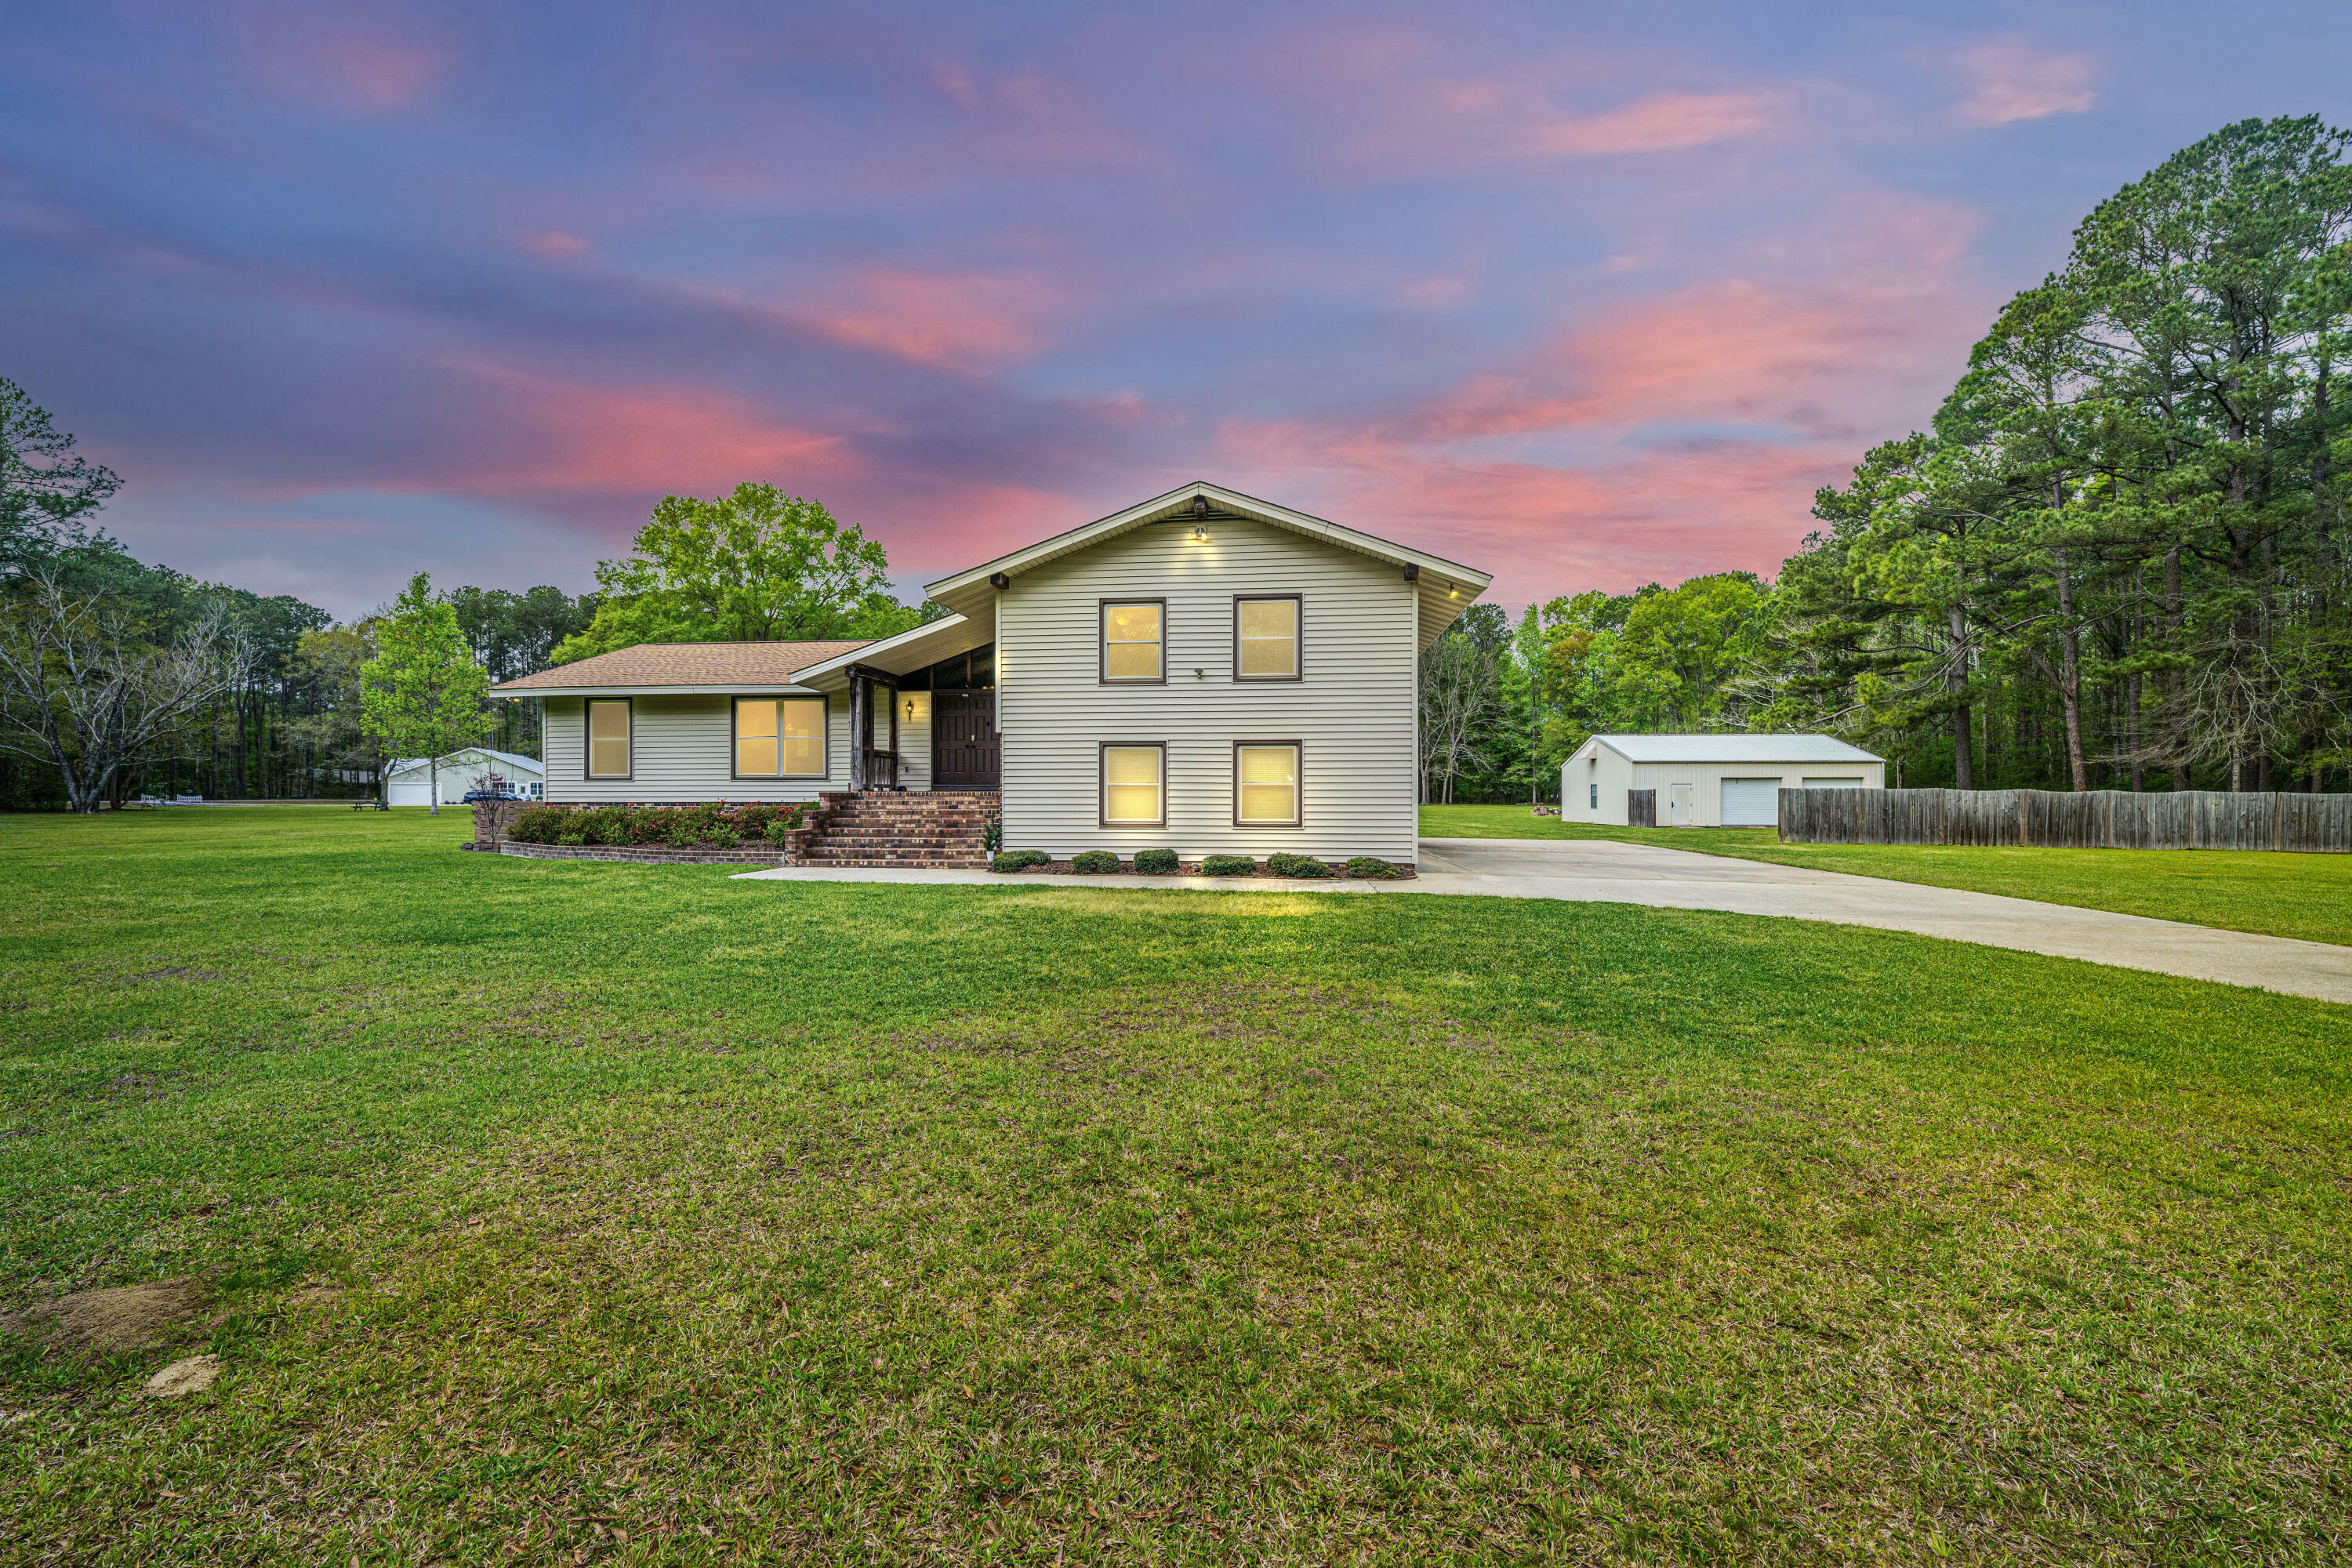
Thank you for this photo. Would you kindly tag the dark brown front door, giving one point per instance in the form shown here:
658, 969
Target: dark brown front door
964, 750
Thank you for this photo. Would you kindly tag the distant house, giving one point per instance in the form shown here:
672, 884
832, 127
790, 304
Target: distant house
1203, 672
409, 782
1705, 781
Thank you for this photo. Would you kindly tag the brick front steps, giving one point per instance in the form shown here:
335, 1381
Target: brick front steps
940, 829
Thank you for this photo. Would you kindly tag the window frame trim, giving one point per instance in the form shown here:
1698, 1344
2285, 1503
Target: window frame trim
1103, 750
1298, 640
1297, 786
825, 735
1103, 676
588, 740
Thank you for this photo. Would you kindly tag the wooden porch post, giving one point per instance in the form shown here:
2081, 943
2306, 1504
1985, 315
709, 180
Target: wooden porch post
860, 701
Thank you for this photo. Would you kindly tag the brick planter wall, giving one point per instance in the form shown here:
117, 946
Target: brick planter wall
648, 854
491, 820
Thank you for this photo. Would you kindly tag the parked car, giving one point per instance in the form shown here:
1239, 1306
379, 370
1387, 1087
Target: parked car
475, 795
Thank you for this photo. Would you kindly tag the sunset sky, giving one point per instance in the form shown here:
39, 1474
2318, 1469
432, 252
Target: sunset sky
1586, 295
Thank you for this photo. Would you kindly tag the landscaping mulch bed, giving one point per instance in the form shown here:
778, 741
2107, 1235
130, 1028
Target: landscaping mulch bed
652, 854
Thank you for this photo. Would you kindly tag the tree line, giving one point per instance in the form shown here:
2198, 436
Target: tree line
119, 677
2117, 558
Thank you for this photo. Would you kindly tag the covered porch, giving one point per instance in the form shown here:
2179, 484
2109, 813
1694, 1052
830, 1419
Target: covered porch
922, 707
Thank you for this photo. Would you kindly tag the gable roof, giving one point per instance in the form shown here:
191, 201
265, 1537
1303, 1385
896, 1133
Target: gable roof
1446, 587
1733, 748
511, 758
656, 667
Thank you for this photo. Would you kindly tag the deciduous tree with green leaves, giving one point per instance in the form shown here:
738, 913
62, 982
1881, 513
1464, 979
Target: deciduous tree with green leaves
422, 694
753, 566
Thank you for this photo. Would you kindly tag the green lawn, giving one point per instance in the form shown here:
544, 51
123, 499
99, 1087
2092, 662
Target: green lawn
2306, 896
567, 1212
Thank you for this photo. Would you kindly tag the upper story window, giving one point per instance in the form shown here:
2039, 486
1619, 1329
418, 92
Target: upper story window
608, 737
780, 737
1133, 647
1266, 637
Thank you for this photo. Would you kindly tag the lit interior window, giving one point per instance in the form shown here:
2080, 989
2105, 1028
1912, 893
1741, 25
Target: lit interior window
1269, 783
1132, 784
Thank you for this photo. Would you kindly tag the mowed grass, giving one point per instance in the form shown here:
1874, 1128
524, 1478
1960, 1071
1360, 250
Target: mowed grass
2305, 896
564, 1212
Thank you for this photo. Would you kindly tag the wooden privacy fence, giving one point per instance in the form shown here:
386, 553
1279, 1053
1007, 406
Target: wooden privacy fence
2095, 819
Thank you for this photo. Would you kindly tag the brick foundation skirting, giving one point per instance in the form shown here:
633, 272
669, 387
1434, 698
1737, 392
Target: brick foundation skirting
644, 854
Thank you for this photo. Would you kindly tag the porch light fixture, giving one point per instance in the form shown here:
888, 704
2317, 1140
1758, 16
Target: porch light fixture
1453, 590
1201, 532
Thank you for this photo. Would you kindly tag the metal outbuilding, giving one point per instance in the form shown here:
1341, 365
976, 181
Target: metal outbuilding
1705, 781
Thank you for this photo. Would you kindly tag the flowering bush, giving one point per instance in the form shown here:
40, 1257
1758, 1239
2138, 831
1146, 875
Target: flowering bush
711, 826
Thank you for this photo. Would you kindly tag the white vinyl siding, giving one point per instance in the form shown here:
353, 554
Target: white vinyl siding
1751, 803
1352, 715
681, 750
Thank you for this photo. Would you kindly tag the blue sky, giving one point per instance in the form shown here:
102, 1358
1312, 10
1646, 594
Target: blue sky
1584, 295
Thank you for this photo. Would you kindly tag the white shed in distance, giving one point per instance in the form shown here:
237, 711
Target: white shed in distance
409, 780
1706, 780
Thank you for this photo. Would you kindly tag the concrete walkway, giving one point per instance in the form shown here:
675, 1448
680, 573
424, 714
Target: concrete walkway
1603, 870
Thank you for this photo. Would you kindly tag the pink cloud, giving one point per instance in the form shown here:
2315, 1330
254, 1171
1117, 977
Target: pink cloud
1661, 123
2012, 78
363, 73
548, 435
552, 244
1404, 110
1681, 434
1871, 317
965, 321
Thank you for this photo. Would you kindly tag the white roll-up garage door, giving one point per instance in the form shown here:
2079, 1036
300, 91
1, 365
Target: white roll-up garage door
417, 794
1751, 803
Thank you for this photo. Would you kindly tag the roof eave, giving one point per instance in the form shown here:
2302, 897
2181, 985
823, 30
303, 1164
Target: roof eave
948, 590
647, 688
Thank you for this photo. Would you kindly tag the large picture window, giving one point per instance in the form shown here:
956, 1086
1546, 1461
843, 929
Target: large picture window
608, 737
780, 737
1133, 646
1134, 786
1265, 785
1266, 637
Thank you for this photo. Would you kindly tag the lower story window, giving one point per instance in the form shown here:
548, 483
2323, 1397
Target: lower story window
608, 737
1135, 785
1265, 785
1595, 801
780, 737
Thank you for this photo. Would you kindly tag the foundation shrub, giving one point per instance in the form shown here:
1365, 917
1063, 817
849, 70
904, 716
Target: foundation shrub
1228, 865
1094, 862
1372, 867
1297, 866
711, 826
1019, 860
1156, 862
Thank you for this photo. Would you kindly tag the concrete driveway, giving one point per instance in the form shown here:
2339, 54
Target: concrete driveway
1603, 870
1609, 871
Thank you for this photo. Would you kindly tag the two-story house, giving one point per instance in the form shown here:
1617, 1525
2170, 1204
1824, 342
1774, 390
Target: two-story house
1203, 672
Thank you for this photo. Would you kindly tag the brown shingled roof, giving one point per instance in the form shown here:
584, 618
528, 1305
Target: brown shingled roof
688, 664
